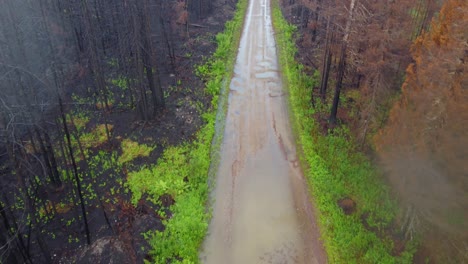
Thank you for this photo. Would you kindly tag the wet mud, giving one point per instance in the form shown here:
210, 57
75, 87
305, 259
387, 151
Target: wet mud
262, 211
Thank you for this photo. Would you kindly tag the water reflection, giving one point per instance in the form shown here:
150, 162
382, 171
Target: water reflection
261, 213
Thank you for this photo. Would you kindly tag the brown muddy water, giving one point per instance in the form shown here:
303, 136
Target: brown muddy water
262, 211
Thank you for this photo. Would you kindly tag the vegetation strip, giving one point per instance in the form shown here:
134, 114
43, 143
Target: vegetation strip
183, 171
336, 171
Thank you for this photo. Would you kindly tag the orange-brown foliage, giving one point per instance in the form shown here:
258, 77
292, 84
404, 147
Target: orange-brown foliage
424, 145
182, 16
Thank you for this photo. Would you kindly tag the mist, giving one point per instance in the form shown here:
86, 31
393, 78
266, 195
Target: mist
423, 147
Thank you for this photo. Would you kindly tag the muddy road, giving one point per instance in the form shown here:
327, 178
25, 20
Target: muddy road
261, 212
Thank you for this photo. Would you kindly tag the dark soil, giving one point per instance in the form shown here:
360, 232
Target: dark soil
347, 205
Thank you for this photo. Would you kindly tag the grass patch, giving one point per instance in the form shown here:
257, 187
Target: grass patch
335, 170
88, 140
131, 150
183, 171
167, 177
60, 208
79, 120
95, 138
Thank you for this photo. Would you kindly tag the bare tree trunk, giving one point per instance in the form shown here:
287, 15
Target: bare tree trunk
46, 159
6, 238
75, 171
142, 102
170, 49
95, 62
339, 82
342, 64
327, 58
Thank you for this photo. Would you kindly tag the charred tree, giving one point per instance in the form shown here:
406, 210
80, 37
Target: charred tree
342, 64
75, 171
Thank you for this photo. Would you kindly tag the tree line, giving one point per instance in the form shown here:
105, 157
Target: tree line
423, 143
402, 68
362, 46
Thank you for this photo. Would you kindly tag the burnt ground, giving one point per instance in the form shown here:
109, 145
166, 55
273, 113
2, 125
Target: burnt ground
116, 225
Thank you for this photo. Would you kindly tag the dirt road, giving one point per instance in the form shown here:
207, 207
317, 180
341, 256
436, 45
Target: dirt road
261, 212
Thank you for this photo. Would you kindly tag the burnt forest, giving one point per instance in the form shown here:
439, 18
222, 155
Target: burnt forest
233, 131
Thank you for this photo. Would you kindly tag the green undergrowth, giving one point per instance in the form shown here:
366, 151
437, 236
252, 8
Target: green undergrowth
132, 150
93, 139
96, 137
335, 169
182, 171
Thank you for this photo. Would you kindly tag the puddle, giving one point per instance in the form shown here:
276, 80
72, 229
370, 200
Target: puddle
261, 212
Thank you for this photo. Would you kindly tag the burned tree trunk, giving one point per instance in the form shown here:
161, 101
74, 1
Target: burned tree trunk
75, 171
342, 64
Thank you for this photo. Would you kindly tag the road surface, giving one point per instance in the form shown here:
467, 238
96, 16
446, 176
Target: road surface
261, 212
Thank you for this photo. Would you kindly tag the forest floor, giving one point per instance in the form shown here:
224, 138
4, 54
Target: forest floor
116, 225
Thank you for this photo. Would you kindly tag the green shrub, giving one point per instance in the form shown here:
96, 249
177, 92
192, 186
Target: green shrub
131, 150
167, 177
